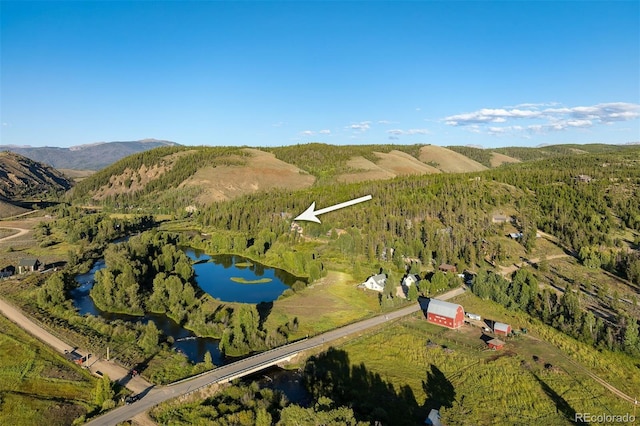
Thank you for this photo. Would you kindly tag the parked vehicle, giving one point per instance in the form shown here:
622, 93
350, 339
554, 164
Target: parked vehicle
131, 399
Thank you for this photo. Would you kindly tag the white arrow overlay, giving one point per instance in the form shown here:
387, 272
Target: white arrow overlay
311, 213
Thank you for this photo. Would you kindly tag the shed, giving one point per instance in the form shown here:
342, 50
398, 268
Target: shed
445, 313
445, 267
501, 328
28, 265
500, 218
495, 344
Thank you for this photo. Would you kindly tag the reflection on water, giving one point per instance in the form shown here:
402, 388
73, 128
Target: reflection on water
193, 347
289, 382
214, 273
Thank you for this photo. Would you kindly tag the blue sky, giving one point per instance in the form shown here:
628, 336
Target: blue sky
280, 73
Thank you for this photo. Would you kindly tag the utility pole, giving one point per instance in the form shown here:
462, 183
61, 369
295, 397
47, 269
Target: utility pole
107, 353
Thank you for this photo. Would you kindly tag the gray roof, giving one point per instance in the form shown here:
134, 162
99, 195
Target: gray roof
500, 326
28, 262
496, 342
445, 309
379, 279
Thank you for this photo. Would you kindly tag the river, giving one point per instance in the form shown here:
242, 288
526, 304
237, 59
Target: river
213, 274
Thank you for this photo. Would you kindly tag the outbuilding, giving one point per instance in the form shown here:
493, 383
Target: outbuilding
495, 344
501, 328
445, 313
474, 316
445, 267
28, 265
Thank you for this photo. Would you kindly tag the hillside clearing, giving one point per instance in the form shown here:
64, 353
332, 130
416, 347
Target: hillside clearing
448, 160
262, 171
498, 159
364, 170
402, 163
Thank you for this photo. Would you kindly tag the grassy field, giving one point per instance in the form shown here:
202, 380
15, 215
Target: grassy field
616, 368
37, 385
488, 387
331, 302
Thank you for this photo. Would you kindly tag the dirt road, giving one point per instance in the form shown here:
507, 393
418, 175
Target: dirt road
20, 233
508, 270
114, 371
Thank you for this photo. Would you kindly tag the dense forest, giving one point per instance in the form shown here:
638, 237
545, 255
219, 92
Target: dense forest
419, 220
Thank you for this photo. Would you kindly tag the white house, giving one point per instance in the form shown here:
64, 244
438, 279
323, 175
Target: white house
375, 282
410, 280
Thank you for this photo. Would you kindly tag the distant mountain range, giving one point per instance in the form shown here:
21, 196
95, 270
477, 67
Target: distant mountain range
94, 156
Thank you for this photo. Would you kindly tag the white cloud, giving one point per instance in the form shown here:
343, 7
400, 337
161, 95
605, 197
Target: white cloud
325, 132
551, 118
362, 126
385, 122
417, 132
307, 133
398, 132
279, 124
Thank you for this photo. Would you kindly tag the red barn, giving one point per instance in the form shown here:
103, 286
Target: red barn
502, 328
444, 313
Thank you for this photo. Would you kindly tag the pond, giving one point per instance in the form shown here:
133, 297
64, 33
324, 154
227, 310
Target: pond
232, 278
229, 278
184, 340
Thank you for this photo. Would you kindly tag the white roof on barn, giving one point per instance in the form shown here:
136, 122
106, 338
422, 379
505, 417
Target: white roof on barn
500, 326
445, 309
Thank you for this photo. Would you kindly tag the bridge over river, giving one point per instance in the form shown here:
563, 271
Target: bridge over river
155, 395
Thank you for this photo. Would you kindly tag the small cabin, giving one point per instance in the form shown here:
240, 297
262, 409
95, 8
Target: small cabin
445, 267
28, 265
495, 344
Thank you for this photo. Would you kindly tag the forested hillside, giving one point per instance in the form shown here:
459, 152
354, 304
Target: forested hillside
177, 177
589, 203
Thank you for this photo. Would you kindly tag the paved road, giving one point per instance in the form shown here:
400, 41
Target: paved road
243, 367
114, 371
